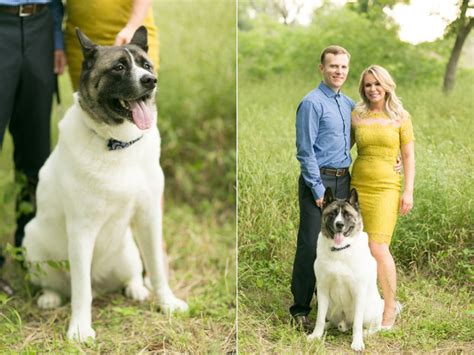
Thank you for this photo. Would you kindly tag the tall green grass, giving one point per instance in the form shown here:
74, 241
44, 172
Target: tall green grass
437, 235
196, 100
127, 327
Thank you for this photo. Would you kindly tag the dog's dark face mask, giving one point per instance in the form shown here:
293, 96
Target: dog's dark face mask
341, 218
117, 83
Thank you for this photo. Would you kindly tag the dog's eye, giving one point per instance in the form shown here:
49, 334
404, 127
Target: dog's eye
119, 67
147, 66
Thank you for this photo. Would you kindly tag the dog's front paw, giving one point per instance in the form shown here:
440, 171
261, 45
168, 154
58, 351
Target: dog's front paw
173, 304
357, 345
80, 332
317, 332
169, 303
49, 299
313, 336
137, 292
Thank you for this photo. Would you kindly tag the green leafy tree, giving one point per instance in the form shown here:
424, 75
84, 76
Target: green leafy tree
374, 6
270, 48
460, 27
374, 10
284, 11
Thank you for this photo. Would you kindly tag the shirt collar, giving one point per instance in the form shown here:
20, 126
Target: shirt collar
328, 91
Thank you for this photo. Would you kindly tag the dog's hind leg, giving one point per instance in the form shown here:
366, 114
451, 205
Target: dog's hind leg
54, 284
49, 299
337, 319
342, 326
373, 317
137, 291
129, 268
371, 330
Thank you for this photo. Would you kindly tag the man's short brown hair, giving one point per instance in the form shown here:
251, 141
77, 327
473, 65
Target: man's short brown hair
334, 50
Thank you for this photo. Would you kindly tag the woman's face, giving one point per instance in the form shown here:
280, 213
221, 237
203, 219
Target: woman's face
373, 90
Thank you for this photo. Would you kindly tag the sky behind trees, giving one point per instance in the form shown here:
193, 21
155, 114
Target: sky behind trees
419, 20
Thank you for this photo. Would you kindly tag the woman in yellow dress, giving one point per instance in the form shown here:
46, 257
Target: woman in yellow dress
381, 128
107, 22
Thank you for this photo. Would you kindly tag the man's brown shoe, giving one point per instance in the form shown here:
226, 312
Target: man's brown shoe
301, 322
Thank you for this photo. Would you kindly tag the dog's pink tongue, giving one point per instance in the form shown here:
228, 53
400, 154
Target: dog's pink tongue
338, 238
141, 114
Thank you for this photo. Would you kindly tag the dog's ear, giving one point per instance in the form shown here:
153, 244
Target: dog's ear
328, 197
353, 199
88, 47
140, 38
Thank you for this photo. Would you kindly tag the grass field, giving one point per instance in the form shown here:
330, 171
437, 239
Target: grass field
434, 320
432, 246
127, 327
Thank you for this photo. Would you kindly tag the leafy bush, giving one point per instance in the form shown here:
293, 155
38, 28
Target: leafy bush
269, 48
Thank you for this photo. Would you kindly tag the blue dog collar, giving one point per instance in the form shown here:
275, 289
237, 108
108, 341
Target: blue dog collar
114, 144
339, 249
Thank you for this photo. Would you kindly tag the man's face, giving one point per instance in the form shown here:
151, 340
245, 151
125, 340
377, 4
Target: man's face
334, 70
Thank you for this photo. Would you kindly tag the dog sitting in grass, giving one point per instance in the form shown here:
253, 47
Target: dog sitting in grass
100, 191
346, 273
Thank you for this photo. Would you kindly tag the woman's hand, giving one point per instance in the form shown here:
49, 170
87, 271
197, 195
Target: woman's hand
137, 18
398, 165
124, 36
406, 203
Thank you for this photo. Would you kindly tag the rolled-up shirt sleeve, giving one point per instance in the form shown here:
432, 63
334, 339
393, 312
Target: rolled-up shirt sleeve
307, 127
57, 9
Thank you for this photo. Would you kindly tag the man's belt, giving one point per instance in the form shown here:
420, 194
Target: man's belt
23, 10
334, 172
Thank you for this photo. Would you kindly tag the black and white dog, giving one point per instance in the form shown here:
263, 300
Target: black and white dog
346, 273
99, 193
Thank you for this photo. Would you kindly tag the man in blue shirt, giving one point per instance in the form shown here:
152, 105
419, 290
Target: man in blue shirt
323, 143
31, 53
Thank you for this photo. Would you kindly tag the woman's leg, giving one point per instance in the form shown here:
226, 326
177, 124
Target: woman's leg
387, 276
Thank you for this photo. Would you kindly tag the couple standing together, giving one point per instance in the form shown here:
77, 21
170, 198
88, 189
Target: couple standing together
328, 123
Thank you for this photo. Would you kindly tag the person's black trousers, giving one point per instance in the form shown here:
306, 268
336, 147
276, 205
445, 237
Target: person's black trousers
27, 84
303, 281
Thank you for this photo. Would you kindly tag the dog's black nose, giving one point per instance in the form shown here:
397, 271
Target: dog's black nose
339, 225
148, 81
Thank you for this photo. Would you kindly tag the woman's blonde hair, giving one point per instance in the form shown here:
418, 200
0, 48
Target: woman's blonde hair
393, 105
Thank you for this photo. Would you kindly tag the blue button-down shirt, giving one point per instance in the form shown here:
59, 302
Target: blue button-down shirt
323, 134
56, 8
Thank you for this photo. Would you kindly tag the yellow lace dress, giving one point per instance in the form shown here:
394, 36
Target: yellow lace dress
378, 140
101, 21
